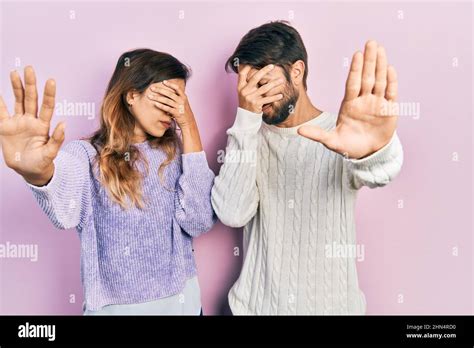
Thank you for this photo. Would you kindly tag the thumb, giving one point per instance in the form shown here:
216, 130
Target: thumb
314, 133
56, 140
328, 139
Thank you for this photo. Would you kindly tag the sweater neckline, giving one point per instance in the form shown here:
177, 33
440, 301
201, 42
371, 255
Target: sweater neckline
142, 144
316, 121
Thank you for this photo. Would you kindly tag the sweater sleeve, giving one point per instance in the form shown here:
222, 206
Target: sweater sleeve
379, 168
66, 198
193, 207
235, 195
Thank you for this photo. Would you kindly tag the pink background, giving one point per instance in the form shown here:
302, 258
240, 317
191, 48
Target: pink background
408, 251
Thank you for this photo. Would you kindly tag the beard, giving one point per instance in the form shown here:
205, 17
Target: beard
281, 111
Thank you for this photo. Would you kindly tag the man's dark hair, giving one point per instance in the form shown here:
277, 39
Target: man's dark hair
271, 43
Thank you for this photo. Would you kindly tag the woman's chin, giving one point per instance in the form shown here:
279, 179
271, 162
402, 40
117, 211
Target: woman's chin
157, 133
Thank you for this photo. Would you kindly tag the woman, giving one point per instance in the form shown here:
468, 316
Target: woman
136, 193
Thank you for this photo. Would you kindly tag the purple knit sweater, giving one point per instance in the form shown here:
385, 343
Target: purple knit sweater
131, 256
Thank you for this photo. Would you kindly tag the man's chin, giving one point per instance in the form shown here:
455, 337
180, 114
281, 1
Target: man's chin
271, 119
267, 118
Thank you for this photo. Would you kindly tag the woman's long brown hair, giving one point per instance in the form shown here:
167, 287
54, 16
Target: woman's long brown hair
117, 157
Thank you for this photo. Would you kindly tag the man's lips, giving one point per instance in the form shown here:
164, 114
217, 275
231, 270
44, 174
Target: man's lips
266, 106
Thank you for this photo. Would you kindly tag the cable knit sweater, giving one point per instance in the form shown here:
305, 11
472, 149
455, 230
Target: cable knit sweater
131, 256
296, 200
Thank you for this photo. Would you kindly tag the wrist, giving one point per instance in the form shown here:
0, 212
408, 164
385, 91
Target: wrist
40, 179
189, 125
191, 138
376, 147
249, 109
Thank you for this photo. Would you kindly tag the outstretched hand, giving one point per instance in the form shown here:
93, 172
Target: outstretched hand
26, 145
368, 116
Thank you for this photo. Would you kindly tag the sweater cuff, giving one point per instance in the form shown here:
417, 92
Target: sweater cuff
383, 155
195, 162
247, 121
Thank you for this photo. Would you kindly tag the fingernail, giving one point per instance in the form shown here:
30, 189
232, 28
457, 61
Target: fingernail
153, 88
165, 82
272, 66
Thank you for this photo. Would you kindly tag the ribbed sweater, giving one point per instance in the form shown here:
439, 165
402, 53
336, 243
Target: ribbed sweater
134, 255
295, 199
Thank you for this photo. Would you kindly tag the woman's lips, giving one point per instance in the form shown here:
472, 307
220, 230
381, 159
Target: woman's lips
166, 124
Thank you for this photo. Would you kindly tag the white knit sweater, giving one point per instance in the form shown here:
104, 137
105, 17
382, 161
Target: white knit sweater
296, 200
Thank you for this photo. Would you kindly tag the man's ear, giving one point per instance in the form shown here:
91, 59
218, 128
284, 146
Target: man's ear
297, 73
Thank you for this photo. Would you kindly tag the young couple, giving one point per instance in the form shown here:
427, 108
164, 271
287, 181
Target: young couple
138, 193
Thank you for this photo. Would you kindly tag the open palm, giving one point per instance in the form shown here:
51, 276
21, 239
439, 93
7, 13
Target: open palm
368, 116
26, 145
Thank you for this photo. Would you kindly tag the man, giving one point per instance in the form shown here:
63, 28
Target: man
296, 200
